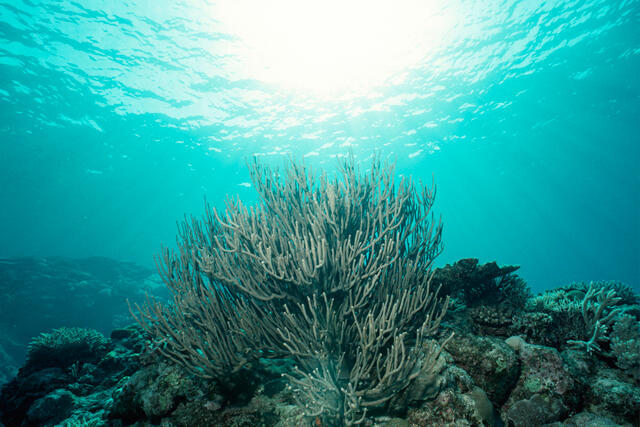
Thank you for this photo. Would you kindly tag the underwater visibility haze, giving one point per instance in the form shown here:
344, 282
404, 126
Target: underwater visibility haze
118, 119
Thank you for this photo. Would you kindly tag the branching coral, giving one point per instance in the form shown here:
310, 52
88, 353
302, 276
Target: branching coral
66, 346
335, 273
598, 313
581, 316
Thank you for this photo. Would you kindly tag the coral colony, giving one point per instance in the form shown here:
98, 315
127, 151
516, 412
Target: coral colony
320, 306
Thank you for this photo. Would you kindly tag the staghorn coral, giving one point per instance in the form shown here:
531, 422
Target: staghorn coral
627, 295
580, 317
334, 273
598, 313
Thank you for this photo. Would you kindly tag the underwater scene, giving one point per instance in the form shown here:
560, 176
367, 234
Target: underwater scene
320, 213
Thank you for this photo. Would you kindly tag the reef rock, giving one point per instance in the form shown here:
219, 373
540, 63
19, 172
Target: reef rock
545, 390
493, 365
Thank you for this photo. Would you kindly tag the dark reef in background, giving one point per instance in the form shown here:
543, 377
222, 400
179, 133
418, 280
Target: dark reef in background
43, 293
517, 368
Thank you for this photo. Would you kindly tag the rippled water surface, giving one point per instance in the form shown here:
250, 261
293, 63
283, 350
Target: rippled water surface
118, 117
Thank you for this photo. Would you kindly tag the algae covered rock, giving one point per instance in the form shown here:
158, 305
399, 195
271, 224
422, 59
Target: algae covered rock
52, 408
545, 389
609, 395
493, 365
153, 392
459, 402
538, 410
587, 419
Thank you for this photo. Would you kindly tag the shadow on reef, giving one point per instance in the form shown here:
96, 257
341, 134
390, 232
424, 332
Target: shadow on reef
515, 360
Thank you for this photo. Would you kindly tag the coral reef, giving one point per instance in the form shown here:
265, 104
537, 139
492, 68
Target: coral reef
473, 284
72, 386
43, 293
493, 365
65, 346
625, 345
283, 318
476, 380
335, 273
484, 297
544, 390
581, 316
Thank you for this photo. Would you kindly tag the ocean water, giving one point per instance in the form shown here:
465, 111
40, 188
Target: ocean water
117, 118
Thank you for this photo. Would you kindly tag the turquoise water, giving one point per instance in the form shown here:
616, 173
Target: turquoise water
117, 118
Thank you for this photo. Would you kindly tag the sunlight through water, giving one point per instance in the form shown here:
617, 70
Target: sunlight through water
332, 47
116, 118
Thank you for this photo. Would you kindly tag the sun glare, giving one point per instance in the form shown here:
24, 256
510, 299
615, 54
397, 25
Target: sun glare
331, 47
